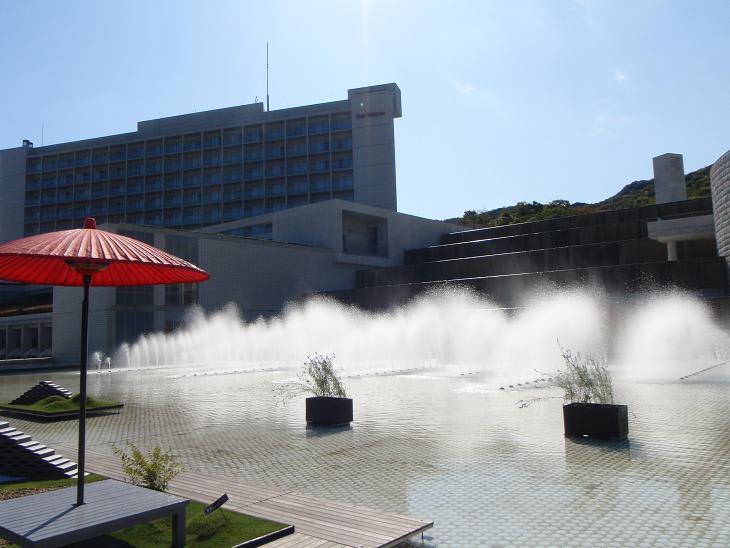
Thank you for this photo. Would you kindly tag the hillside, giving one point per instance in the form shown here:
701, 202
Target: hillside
638, 193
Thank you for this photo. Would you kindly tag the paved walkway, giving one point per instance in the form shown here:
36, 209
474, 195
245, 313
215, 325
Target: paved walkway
318, 522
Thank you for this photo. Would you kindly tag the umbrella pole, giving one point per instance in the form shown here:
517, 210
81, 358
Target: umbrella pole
82, 392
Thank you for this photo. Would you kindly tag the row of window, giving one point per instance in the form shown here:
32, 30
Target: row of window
277, 131
81, 192
210, 173
175, 200
195, 215
209, 158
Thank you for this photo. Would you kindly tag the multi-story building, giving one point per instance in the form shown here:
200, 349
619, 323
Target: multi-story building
201, 169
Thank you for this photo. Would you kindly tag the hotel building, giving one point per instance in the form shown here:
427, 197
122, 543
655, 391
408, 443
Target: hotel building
206, 168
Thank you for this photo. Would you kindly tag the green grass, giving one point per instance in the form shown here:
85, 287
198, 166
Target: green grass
58, 404
221, 528
210, 531
47, 484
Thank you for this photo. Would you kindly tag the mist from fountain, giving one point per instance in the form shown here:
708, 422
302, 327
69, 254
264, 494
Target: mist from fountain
661, 335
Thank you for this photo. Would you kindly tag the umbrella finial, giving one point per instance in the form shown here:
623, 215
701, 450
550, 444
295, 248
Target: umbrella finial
89, 222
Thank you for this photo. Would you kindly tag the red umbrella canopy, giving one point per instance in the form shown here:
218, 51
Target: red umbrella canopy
63, 258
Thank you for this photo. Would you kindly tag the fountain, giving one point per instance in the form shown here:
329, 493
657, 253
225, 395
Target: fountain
454, 332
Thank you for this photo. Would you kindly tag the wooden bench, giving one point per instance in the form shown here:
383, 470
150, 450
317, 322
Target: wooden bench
53, 519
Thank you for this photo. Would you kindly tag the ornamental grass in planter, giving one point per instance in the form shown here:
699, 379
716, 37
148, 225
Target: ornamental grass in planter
328, 404
590, 410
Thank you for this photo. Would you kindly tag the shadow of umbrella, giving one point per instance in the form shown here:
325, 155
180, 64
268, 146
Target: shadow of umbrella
90, 257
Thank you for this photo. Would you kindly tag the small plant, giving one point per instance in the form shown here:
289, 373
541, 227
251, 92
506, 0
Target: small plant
318, 377
585, 379
153, 470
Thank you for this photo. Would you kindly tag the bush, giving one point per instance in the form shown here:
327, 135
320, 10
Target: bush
585, 379
318, 377
153, 470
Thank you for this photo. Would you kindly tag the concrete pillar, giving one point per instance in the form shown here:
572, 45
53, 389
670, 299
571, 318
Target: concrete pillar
669, 183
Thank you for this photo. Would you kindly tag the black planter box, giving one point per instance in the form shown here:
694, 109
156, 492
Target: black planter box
326, 411
596, 420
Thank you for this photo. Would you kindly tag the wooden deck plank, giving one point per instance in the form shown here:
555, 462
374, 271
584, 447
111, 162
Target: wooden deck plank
322, 529
299, 540
320, 523
359, 523
353, 512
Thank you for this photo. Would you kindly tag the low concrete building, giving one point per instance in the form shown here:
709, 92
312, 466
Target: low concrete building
314, 248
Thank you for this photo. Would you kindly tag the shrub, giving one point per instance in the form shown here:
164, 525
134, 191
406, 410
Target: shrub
318, 377
585, 379
153, 470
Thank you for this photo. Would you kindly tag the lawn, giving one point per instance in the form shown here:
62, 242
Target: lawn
58, 406
221, 528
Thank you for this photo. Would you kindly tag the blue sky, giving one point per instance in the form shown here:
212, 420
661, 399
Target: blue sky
502, 101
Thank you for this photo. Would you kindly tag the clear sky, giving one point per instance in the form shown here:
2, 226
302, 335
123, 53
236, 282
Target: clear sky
502, 100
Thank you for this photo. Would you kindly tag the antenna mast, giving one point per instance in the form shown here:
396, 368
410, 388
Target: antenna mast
267, 77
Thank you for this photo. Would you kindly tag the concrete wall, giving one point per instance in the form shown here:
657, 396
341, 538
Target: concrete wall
258, 275
12, 192
261, 277
321, 225
373, 143
720, 185
67, 321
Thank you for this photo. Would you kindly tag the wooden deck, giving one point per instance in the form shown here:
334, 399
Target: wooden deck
53, 519
318, 522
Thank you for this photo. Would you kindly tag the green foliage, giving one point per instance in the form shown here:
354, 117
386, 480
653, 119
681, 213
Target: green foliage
318, 377
58, 404
636, 194
154, 470
585, 379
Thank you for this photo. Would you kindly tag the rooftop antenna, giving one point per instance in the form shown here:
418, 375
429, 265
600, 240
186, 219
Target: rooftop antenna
42, 132
267, 77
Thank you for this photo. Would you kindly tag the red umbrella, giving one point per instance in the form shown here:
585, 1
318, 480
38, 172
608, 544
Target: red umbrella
86, 257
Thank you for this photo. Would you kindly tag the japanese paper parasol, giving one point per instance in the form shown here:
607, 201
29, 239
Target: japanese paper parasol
90, 257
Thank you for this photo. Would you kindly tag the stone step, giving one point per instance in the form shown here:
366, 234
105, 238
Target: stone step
45, 452
7, 431
528, 242
641, 250
66, 467
20, 438
56, 459
31, 445
4, 424
705, 276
